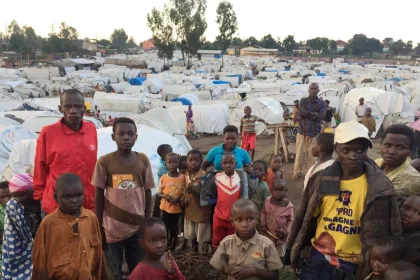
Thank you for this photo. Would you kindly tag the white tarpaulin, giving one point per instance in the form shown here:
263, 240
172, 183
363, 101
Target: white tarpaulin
207, 118
9, 136
21, 159
26, 115
265, 108
44, 104
37, 123
10, 105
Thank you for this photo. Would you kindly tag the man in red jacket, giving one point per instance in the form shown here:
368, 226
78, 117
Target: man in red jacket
70, 145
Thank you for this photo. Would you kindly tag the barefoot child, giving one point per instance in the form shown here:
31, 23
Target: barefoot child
157, 264
277, 216
262, 192
402, 270
171, 188
323, 148
274, 172
410, 218
162, 151
246, 254
197, 226
68, 243
382, 254
248, 133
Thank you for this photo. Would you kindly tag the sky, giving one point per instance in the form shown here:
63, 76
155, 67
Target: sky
305, 19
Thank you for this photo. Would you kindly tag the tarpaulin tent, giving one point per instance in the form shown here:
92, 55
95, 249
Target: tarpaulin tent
184, 101
137, 81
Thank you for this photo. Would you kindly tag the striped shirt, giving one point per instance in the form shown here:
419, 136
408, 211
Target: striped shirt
248, 124
310, 123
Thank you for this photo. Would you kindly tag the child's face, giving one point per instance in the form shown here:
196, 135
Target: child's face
23, 196
70, 199
154, 241
228, 164
244, 220
166, 151
395, 148
410, 213
194, 162
276, 163
279, 191
368, 113
259, 170
315, 148
125, 136
4, 196
183, 167
247, 111
172, 162
380, 259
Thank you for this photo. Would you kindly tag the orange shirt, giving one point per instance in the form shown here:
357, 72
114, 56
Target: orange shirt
61, 252
175, 187
269, 178
60, 150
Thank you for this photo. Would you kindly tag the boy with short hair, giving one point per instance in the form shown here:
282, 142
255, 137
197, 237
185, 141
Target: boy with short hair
162, 151
68, 242
274, 172
369, 121
411, 228
127, 177
246, 254
402, 271
342, 209
248, 133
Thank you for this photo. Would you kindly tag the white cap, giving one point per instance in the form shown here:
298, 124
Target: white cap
348, 131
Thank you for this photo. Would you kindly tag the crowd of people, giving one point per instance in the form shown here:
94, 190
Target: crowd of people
80, 218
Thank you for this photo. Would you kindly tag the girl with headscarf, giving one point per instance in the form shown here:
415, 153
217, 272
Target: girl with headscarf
23, 216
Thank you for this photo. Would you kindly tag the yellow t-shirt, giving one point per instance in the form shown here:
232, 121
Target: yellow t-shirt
338, 227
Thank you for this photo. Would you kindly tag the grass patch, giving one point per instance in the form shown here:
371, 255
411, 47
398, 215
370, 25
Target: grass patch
287, 275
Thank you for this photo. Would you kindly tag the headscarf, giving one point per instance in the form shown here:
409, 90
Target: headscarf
21, 182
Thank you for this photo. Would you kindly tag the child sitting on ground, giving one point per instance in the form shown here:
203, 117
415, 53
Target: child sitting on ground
410, 218
157, 264
171, 188
197, 226
162, 151
277, 216
274, 172
369, 121
402, 271
246, 254
262, 192
68, 242
383, 252
323, 148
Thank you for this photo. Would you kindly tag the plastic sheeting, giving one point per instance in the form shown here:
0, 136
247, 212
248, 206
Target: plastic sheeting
37, 123
21, 159
265, 108
9, 136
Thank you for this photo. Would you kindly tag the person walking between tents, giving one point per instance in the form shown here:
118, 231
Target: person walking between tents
312, 112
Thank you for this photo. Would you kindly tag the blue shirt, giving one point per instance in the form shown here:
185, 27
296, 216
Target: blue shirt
162, 170
215, 157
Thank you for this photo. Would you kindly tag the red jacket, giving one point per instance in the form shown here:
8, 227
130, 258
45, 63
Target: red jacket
60, 150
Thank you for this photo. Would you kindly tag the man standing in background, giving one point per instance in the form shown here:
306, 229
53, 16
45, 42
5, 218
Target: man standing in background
361, 109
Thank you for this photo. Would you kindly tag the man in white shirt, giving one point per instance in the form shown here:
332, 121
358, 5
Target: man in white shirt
361, 109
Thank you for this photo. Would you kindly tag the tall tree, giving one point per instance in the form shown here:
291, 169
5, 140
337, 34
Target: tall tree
131, 43
119, 39
251, 41
356, 44
228, 25
162, 30
372, 45
68, 32
319, 43
417, 49
332, 46
238, 42
289, 43
17, 38
268, 42
388, 41
408, 48
397, 47
104, 43
190, 24
31, 40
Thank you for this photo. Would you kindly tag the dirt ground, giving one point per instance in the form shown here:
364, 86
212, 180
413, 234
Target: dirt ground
265, 147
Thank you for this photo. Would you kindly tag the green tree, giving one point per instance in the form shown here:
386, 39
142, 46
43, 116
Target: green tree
397, 47
104, 43
332, 46
238, 42
68, 32
357, 44
289, 43
251, 41
268, 42
319, 43
207, 45
17, 38
408, 48
372, 45
190, 24
388, 41
228, 25
162, 30
31, 40
119, 39
417, 49
53, 44
131, 43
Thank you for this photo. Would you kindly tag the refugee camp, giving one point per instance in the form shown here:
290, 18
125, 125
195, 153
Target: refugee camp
209, 140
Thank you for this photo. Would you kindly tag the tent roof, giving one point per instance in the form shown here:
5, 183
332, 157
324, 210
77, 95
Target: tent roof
209, 52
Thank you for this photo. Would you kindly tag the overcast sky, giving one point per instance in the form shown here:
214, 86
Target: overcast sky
305, 18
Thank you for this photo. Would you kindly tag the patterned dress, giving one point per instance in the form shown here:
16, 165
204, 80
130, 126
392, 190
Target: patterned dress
17, 243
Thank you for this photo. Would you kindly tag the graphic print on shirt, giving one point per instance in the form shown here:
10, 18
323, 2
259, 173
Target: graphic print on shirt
230, 190
338, 227
123, 181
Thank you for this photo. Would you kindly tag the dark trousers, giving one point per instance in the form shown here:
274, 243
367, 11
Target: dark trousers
171, 223
314, 269
156, 209
133, 254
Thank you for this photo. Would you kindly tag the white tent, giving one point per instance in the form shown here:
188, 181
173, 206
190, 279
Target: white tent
11, 105
265, 108
37, 123
30, 91
387, 106
21, 159
9, 136
26, 115
44, 104
163, 120
5, 122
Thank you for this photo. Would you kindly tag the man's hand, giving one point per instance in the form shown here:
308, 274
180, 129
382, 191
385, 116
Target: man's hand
168, 264
244, 272
229, 269
184, 203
